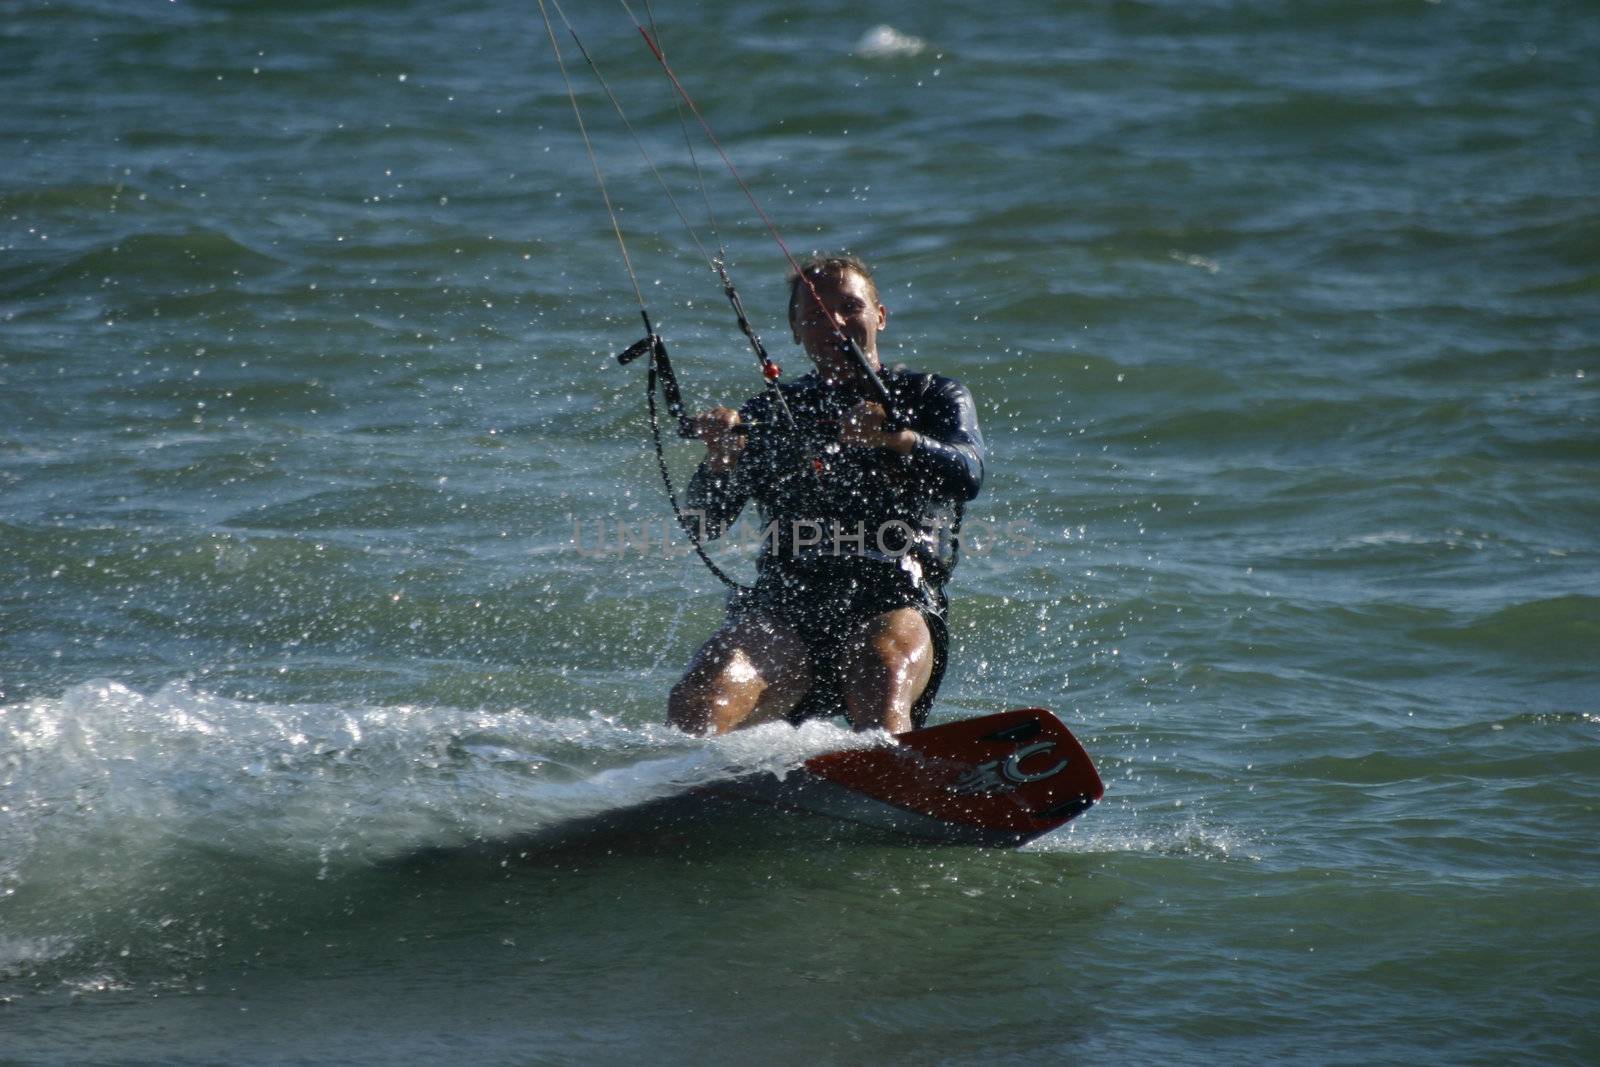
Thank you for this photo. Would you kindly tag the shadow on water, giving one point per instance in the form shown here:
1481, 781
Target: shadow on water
670, 905
630, 923
698, 825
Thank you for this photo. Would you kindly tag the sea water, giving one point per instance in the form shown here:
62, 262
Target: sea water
338, 602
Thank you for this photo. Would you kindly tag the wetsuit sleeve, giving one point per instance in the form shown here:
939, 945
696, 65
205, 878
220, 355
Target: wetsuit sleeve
720, 497
950, 454
717, 497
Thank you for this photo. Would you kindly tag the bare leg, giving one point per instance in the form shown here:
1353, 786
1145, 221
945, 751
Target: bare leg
751, 671
887, 665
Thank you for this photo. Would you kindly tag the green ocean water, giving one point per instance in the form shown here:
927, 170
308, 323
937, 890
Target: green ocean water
332, 556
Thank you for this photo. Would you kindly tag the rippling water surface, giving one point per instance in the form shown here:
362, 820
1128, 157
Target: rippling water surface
333, 551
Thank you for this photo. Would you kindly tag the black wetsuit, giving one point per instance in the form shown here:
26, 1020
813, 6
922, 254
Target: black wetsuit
848, 533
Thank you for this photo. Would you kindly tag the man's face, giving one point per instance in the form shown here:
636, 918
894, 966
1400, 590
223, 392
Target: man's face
848, 308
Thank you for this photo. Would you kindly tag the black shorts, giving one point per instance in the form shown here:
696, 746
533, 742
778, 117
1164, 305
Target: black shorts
825, 599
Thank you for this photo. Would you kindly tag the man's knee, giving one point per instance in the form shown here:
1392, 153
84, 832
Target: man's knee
693, 699
688, 705
890, 667
746, 671
897, 637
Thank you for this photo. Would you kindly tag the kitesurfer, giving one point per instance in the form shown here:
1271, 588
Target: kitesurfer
860, 511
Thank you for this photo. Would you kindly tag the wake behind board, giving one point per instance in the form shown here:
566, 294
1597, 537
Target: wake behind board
996, 780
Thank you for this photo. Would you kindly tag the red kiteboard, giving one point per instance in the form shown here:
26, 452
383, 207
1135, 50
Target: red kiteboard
999, 779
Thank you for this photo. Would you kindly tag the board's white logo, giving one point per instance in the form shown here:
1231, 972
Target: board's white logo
1004, 775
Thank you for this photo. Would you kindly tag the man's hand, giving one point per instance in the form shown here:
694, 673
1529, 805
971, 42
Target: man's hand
863, 425
724, 445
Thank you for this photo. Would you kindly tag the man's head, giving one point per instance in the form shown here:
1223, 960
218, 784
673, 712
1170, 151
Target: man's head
850, 306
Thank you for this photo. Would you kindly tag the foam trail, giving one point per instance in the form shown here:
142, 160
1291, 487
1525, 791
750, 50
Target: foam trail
1126, 828
883, 42
126, 811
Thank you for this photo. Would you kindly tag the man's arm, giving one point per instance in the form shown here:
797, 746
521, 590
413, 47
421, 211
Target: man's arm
945, 451
949, 451
717, 491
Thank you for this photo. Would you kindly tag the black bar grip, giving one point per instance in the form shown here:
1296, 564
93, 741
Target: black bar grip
635, 350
